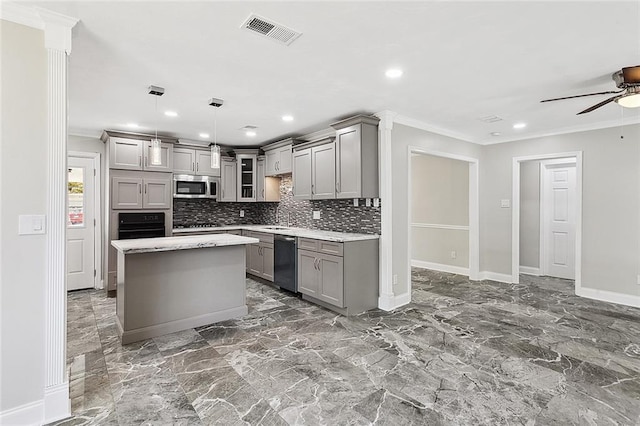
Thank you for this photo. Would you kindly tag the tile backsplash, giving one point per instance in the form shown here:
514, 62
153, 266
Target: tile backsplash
335, 215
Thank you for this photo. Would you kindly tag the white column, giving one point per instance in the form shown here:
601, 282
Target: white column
57, 30
386, 299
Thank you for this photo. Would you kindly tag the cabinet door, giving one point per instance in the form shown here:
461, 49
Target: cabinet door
126, 193
331, 280
271, 159
260, 177
125, 154
156, 194
246, 167
184, 161
302, 174
348, 163
267, 261
284, 160
323, 169
166, 158
255, 259
228, 181
203, 164
307, 273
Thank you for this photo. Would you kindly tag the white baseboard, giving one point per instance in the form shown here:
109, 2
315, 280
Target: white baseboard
392, 302
609, 296
530, 270
57, 405
27, 414
495, 276
440, 267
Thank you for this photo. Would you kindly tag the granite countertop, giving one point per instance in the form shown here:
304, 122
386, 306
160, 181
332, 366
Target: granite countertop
149, 245
282, 230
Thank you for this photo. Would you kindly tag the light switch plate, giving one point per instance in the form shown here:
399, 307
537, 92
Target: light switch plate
505, 204
31, 224
316, 214
367, 202
355, 202
376, 202
241, 213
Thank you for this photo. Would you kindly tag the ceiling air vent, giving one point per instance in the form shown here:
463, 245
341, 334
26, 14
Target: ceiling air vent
271, 29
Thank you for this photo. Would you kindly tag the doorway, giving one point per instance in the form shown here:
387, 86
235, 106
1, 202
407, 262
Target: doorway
83, 214
557, 222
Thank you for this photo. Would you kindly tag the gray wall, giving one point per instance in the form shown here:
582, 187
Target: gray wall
530, 214
402, 138
439, 196
23, 190
610, 204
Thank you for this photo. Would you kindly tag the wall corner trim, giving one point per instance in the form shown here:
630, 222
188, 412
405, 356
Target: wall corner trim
389, 302
609, 296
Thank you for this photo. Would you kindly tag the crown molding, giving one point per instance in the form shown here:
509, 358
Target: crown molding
23, 15
419, 124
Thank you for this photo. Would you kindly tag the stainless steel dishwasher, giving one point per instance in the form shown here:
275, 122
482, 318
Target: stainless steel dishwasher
285, 274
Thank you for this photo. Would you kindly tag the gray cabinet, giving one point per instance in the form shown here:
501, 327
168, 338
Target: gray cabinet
260, 255
191, 161
141, 191
340, 276
267, 187
134, 154
246, 163
314, 171
357, 157
227, 180
279, 157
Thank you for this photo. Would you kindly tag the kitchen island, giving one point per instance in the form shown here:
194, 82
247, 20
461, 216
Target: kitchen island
171, 284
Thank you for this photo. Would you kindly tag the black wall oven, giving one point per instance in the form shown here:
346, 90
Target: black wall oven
190, 186
141, 225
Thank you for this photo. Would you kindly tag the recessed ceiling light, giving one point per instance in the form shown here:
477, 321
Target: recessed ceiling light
204, 135
287, 118
171, 113
250, 133
393, 73
520, 125
496, 133
133, 125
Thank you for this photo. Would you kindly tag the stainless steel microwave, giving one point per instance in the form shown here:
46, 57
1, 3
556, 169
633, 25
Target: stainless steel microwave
190, 186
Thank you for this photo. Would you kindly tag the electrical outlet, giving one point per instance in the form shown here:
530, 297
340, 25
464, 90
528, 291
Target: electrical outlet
454, 254
505, 204
376, 202
355, 202
395, 279
241, 213
316, 214
367, 202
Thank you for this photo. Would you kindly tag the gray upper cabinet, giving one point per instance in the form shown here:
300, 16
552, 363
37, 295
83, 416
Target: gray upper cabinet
314, 171
357, 157
246, 164
137, 190
135, 154
166, 158
279, 157
227, 179
189, 161
267, 187
125, 154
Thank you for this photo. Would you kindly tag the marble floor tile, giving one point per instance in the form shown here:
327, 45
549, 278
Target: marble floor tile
461, 353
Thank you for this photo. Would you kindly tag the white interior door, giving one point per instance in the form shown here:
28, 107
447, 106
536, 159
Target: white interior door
80, 224
559, 219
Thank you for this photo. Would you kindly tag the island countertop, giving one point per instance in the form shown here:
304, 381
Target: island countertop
340, 237
149, 245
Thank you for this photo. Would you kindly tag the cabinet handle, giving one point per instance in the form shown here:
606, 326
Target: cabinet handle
338, 187
140, 160
140, 188
145, 188
263, 193
197, 166
146, 160
193, 167
277, 165
312, 189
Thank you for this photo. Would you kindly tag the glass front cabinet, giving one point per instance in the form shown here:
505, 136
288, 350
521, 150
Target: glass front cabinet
247, 183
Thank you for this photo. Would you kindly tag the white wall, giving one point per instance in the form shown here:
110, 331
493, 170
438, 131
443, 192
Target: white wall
403, 137
439, 197
530, 214
23, 173
610, 219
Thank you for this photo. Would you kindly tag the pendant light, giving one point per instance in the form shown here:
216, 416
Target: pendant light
215, 149
156, 147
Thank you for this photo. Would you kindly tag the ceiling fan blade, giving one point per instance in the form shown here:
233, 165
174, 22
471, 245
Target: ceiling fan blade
598, 105
582, 96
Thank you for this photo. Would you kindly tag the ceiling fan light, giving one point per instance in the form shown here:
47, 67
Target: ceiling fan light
632, 100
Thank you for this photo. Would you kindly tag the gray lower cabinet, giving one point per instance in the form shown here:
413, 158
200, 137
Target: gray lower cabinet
339, 276
260, 255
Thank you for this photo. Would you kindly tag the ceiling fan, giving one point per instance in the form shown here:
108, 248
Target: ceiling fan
627, 79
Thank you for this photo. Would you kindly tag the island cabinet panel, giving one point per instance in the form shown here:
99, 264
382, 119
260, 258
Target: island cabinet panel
339, 276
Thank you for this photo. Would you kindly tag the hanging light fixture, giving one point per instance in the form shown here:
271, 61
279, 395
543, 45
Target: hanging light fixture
215, 149
156, 147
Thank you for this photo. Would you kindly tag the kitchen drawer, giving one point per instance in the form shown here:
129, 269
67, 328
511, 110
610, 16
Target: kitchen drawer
262, 236
327, 247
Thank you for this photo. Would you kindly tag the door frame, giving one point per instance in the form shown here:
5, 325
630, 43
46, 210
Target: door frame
474, 208
571, 161
98, 281
515, 213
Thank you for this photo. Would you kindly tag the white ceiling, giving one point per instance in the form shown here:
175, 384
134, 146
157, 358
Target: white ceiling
461, 61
